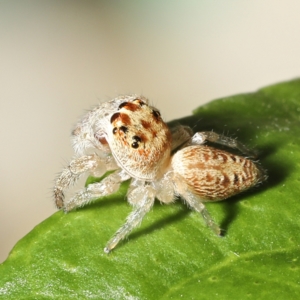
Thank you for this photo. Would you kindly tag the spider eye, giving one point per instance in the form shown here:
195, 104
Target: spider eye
135, 145
156, 114
115, 130
136, 142
124, 129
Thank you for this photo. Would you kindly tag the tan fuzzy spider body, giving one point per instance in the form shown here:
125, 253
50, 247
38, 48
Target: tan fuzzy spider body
129, 137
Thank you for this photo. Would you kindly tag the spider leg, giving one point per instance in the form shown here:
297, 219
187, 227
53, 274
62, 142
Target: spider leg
73, 171
194, 202
107, 186
200, 138
135, 217
180, 136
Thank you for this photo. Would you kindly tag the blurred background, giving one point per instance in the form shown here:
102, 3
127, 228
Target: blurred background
59, 58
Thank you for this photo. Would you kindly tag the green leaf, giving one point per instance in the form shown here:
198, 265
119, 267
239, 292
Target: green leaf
172, 255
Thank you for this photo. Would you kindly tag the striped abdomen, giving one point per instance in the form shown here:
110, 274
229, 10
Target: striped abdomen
213, 174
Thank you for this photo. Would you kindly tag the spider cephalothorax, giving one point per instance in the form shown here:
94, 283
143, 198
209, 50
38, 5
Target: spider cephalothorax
129, 137
131, 133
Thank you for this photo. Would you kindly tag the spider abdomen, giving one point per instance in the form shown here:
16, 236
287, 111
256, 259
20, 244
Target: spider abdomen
213, 174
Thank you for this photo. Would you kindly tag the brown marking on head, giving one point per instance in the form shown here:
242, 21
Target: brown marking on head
130, 106
122, 105
143, 137
154, 133
123, 118
143, 153
146, 124
114, 117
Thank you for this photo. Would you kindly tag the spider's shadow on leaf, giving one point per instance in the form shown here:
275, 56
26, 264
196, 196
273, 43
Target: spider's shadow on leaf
163, 222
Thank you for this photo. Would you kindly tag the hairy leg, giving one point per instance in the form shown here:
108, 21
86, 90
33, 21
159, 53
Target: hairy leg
201, 137
73, 171
107, 186
180, 136
136, 216
195, 203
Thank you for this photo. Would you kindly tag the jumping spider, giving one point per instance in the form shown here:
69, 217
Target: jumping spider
129, 137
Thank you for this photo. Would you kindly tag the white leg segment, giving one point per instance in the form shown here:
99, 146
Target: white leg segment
134, 219
107, 186
71, 174
180, 136
198, 206
200, 138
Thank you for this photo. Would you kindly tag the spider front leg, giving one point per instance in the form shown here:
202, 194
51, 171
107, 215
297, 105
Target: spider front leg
143, 197
107, 186
70, 174
200, 138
